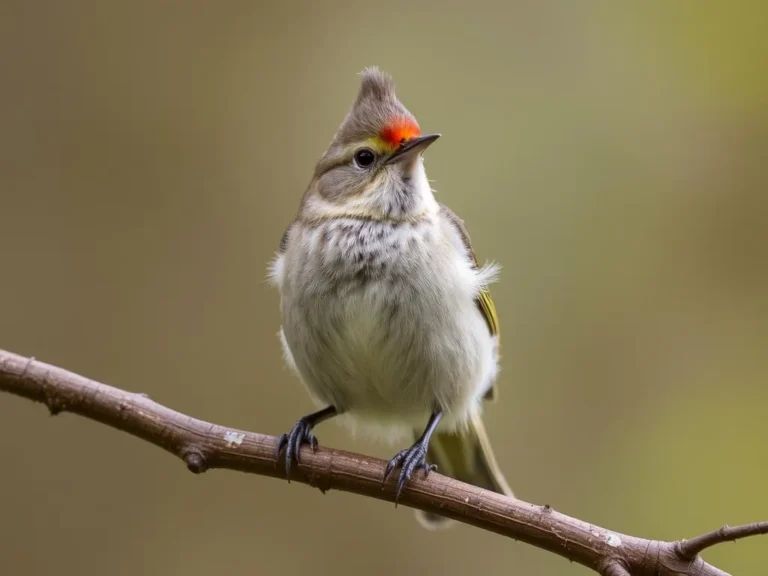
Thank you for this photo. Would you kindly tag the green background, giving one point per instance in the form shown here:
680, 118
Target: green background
611, 156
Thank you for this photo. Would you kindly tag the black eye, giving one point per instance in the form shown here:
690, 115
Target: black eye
364, 157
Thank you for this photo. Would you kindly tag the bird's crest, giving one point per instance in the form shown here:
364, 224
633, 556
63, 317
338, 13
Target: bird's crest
377, 116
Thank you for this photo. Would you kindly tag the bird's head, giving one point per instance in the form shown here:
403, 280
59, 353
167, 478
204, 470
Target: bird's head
373, 167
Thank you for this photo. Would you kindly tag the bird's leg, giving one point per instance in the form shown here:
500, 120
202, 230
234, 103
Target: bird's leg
414, 458
301, 433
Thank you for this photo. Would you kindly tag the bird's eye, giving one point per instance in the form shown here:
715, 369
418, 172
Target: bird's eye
364, 157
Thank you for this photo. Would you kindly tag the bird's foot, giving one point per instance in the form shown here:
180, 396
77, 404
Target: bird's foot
409, 460
301, 433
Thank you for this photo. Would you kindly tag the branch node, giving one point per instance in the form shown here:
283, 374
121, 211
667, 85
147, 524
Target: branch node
195, 460
55, 407
54, 403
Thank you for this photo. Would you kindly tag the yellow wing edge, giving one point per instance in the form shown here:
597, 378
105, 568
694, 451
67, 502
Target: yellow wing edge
484, 301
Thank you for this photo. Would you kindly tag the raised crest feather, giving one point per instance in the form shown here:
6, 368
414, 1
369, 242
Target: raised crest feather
376, 84
376, 113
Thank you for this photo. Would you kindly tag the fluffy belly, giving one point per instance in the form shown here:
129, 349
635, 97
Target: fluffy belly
379, 320
388, 355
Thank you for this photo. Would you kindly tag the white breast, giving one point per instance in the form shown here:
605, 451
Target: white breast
379, 319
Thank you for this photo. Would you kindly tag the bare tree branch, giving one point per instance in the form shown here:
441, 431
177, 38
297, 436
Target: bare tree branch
204, 446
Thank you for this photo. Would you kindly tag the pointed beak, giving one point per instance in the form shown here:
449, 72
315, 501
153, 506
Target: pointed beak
410, 149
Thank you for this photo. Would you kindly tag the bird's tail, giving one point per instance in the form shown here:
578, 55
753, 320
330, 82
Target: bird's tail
467, 456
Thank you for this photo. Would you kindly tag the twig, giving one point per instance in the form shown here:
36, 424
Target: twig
204, 446
695, 546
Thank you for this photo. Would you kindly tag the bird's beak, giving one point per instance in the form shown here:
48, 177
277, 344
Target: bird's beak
411, 148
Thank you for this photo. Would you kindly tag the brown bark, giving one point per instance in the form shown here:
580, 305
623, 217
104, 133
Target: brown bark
204, 446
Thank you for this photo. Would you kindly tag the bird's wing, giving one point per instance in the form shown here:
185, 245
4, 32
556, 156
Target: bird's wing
484, 301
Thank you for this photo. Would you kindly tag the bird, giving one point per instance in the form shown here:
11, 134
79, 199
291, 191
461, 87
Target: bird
386, 314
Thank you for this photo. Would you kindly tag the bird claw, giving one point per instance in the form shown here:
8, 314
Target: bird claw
300, 434
409, 460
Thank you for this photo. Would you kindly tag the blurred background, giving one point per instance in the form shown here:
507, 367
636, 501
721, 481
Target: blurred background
611, 156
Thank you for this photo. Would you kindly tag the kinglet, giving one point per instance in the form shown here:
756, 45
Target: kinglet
386, 314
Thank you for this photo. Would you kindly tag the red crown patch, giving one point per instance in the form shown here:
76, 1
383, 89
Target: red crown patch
399, 131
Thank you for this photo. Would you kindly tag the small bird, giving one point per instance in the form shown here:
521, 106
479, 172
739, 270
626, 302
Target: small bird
386, 315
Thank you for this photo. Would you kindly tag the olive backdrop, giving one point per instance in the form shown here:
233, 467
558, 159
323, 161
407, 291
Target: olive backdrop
611, 156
